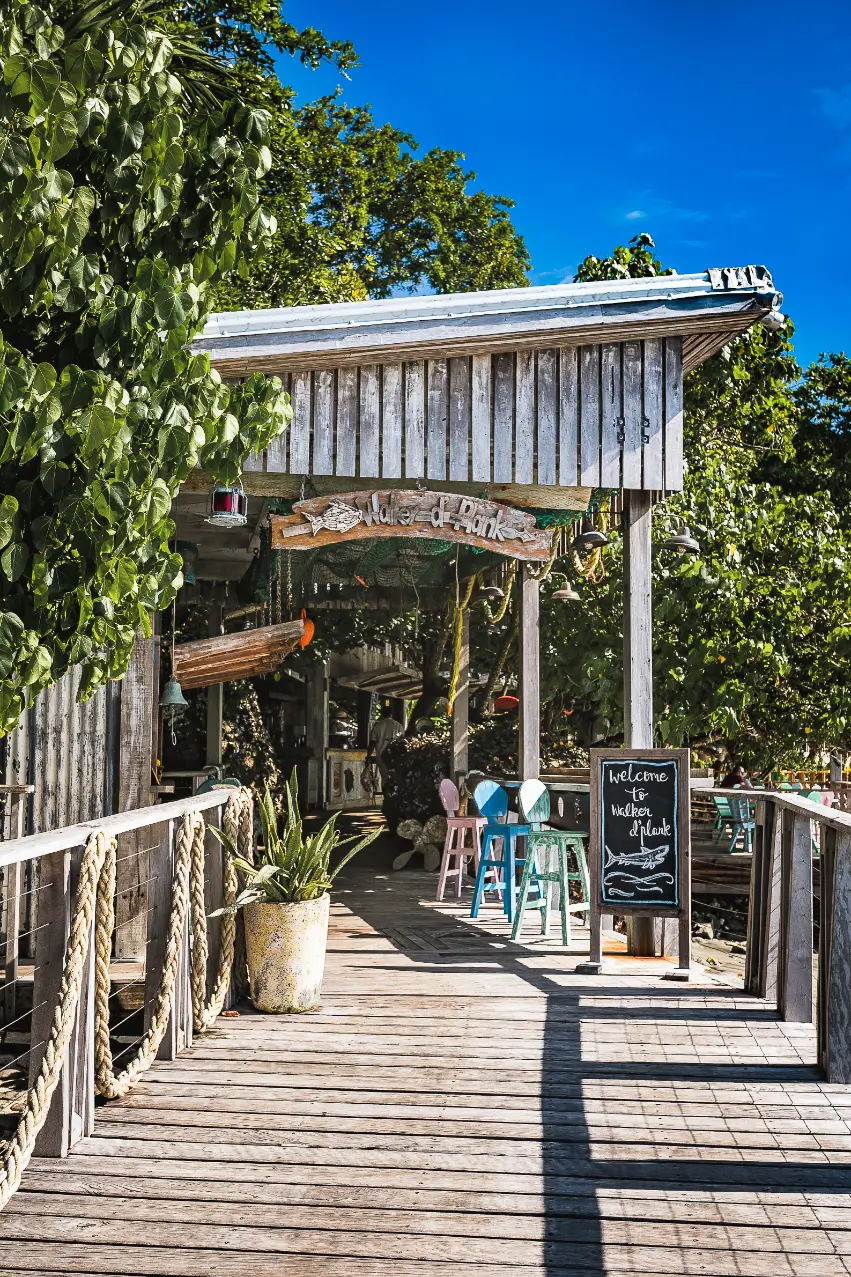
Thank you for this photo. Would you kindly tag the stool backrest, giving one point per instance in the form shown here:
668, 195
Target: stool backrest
449, 797
534, 802
741, 810
491, 801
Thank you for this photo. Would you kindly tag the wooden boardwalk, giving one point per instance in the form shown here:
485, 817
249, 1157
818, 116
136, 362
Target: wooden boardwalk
461, 1105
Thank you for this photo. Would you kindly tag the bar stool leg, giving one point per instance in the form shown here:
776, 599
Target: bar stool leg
565, 894
525, 884
444, 864
510, 872
478, 890
462, 860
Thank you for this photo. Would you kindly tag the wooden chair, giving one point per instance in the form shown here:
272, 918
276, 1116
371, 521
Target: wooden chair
492, 803
541, 845
455, 847
723, 816
743, 823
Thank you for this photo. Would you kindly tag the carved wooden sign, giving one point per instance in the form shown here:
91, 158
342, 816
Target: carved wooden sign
436, 516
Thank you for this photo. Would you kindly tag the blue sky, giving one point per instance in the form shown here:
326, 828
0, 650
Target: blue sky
723, 129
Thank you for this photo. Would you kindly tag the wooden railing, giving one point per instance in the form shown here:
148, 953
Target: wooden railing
41, 873
789, 832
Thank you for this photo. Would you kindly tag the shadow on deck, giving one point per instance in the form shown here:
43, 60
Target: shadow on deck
461, 1105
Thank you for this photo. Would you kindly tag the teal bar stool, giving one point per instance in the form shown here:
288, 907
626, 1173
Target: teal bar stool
492, 803
542, 845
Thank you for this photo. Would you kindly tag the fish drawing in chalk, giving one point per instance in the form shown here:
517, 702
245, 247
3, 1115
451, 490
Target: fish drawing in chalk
338, 517
646, 858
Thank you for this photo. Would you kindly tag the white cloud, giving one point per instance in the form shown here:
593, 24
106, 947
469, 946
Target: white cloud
635, 214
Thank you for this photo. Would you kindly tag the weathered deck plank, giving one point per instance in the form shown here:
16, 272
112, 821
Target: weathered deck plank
461, 1104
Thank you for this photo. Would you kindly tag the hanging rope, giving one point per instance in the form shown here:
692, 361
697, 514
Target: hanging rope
95, 899
542, 573
458, 623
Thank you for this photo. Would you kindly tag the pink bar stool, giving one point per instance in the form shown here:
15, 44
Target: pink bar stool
456, 847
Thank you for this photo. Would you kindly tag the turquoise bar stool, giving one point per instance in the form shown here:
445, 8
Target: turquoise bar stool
492, 803
542, 846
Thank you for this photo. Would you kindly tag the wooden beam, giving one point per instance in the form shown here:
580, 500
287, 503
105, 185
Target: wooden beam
215, 698
138, 696
638, 661
530, 681
459, 762
71, 1113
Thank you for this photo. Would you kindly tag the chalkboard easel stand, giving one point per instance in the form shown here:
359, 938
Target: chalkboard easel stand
605, 764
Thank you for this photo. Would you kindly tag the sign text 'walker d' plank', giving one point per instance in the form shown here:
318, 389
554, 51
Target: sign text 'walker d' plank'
437, 516
640, 843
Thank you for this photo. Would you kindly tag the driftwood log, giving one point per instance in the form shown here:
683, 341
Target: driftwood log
230, 656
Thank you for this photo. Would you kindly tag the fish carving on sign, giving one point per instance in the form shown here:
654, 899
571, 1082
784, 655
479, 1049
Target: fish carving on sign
434, 515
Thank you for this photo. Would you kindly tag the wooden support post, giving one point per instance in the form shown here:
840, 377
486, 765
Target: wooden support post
638, 660
178, 1035
138, 692
530, 679
764, 905
795, 977
366, 717
215, 699
316, 720
834, 988
12, 879
459, 764
72, 1109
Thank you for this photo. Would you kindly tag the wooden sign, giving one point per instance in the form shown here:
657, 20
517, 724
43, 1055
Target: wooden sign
640, 842
436, 516
226, 657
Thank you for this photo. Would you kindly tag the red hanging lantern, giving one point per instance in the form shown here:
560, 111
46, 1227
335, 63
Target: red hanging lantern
228, 506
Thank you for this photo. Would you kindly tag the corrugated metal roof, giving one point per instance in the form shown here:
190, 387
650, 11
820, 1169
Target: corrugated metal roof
721, 301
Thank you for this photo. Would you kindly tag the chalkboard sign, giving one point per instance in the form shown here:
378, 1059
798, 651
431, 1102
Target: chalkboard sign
639, 834
640, 844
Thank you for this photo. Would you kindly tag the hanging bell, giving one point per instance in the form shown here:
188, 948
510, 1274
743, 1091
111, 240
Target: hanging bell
683, 541
566, 593
172, 698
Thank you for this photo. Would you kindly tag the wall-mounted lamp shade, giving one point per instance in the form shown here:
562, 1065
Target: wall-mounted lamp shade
491, 592
172, 698
566, 594
590, 540
228, 506
682, 541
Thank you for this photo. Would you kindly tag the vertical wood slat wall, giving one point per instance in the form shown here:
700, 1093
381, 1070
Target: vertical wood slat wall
60, 747
590, 416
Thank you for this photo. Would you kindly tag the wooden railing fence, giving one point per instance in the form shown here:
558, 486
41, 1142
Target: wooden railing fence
178, 985
779, 963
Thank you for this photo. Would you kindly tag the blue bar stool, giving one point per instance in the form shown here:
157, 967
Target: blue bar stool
492, 803
542, 845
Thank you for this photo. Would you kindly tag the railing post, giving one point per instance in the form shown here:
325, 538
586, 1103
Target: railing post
834, 988
761, 959
71, 1113
178, 1035
795, 982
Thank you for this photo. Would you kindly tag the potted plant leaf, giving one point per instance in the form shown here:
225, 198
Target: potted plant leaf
285, 904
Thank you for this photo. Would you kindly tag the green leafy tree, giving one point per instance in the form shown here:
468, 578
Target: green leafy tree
124, 201
750, 635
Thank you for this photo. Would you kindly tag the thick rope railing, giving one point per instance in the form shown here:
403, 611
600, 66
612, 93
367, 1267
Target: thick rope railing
95, 899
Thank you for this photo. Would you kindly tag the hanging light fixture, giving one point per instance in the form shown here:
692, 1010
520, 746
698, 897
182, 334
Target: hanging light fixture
683, 541
491, 592
565, 593
228, 505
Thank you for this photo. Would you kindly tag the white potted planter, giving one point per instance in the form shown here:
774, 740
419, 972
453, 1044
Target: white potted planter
285, 945
285, 906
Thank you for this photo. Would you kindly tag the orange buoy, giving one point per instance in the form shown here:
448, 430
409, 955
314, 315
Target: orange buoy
309, 630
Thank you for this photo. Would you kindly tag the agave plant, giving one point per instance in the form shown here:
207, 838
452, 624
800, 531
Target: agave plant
294, 867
